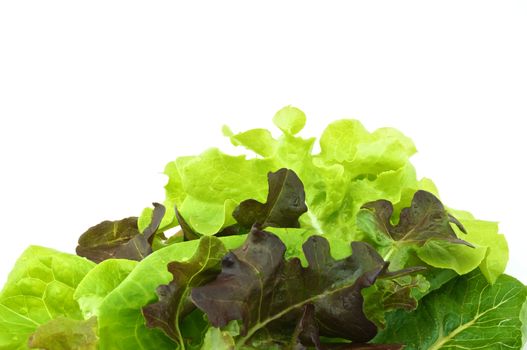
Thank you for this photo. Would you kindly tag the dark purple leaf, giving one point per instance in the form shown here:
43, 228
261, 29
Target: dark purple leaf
258, 287
173, 304
424, 220
119, 239
285, 203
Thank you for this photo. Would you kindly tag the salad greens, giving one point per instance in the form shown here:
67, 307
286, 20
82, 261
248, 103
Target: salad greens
283, 248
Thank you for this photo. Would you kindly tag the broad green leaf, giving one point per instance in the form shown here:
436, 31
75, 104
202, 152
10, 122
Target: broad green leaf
173, 304
99, 282
39, 288
64, 333
466, 313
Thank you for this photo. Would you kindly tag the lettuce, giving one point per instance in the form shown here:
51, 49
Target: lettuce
281, 248
39, 289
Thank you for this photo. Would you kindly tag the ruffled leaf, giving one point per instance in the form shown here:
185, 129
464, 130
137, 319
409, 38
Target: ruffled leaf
120, 239
258, 287
285, 203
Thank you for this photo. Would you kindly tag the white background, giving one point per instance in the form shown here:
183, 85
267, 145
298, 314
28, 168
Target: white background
96, 96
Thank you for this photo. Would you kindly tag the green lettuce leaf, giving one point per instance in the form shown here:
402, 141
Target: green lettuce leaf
214, 184
353, 167
485, 234
39, 288
99, 282
349, 143
467, 313
523, 318
64, 333
336, 181
290, 120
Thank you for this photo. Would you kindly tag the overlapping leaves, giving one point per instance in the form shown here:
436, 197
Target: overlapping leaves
424, 220
286, 201
467, 313
259, 298
424, 224
173, 304
272, 296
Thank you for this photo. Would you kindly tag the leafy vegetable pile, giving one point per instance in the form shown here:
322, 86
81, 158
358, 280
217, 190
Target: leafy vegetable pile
286, 249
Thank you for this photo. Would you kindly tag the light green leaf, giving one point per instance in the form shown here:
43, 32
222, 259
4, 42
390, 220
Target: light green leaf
214, 183
39, 288
459, 258
208, 217
259, 141
340, 139
145, 218
485, 234
290, 120
99, 282
347, 141
66, 334
466, 313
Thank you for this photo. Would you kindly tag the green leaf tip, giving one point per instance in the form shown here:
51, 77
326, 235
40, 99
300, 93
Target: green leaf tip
290, 120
